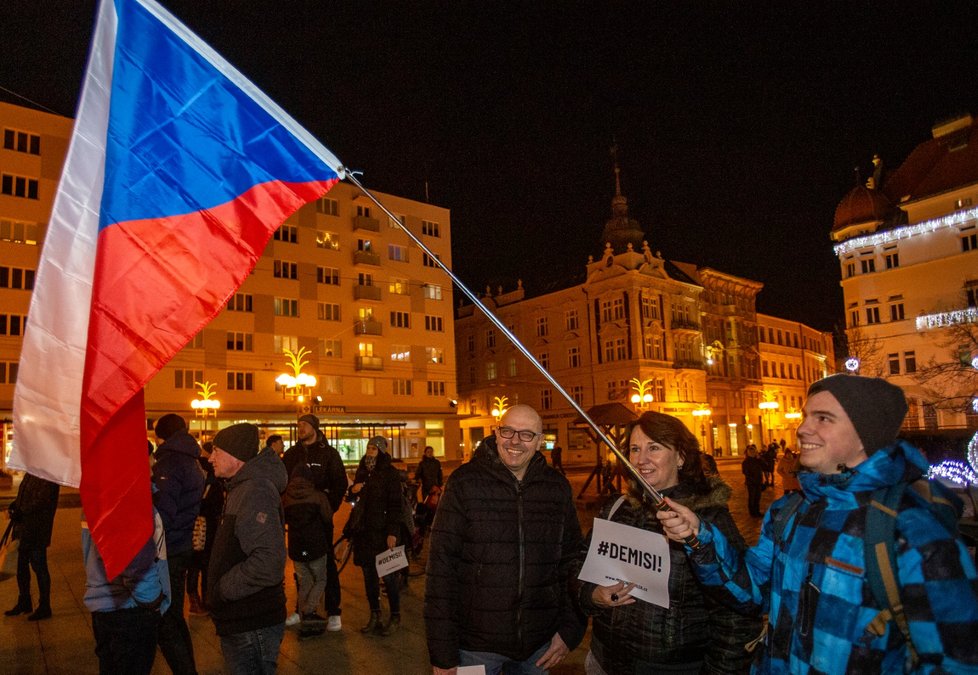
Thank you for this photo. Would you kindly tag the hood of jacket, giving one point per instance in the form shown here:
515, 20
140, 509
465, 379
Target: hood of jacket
300, 490
487, 454
181, 443
900, 462
266, 465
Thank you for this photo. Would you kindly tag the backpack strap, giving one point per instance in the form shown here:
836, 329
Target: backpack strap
614, 507
879, 545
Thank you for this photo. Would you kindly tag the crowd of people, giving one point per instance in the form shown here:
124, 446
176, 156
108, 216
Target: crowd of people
510, 581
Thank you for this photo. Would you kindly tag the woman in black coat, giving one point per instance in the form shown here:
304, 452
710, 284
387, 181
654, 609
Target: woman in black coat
377, 486
695, 633
32, 513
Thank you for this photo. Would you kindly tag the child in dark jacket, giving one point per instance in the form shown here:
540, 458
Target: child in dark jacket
310, 524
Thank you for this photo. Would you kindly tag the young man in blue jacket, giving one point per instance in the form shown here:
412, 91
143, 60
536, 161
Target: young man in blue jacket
809, 569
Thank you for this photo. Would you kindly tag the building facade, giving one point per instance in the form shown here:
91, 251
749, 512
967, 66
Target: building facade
340, 284
681, 339
907, 244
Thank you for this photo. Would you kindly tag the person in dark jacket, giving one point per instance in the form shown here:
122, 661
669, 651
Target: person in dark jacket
753, 470
180, 483
428, 472
310, 523
377, 487
695, 633
211, 507
502, 544
245, 587
329, 477
32, 514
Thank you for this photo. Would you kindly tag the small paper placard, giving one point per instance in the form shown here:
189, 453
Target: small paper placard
391, 560
471, 670
624, 553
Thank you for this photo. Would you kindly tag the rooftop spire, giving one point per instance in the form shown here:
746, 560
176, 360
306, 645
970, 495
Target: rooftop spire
620, 230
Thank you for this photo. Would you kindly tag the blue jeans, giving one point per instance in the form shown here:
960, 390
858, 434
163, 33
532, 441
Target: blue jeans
253, 652
497, 663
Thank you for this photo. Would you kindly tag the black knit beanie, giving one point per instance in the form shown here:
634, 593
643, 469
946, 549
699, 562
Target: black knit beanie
875, 407
311, 420
238, 440
169, 424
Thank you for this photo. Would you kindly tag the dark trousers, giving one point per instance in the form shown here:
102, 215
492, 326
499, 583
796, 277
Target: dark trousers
392, 583
197, 574
332, 584
174, 635
36, 559
754, 499
125, 640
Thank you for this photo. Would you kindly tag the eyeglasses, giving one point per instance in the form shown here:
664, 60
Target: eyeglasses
524, 435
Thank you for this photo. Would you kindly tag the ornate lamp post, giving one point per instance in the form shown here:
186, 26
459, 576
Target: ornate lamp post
499, 406
298, 385
206, 405
642, 398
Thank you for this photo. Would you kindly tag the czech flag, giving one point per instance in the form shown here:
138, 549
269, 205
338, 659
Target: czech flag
178, 173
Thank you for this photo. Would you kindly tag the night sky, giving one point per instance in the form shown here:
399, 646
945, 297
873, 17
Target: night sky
738, 129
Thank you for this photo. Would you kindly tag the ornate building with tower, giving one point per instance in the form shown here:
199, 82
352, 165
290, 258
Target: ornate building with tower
644, 332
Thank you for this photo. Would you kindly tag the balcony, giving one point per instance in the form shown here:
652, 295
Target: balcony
684, 324
366, 223
366, 292
369, 363
366, 258
688, 363
367, 327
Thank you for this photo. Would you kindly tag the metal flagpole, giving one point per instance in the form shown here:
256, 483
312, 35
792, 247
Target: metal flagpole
654, 495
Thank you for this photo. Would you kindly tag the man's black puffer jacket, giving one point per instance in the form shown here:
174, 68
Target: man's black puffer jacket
497, 568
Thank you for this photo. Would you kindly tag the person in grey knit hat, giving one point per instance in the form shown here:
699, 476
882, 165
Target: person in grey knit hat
246, 573
875, 407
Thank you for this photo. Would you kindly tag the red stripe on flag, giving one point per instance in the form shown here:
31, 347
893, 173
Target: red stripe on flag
157, 282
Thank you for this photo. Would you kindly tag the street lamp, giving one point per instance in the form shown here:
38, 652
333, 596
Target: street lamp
713, 352
297, 386
499, 406
702, 411
767, 406
642, 397
205, 406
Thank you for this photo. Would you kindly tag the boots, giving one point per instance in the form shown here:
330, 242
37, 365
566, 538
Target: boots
392, 625
374, 624
43, 611
22, 607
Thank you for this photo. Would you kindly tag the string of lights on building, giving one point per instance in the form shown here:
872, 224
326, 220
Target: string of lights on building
906, 231
961, 473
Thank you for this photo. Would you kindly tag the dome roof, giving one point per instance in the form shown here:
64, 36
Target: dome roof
861, 205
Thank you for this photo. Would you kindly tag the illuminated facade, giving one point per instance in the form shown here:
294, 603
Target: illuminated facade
642, 331
907, 244
339, 283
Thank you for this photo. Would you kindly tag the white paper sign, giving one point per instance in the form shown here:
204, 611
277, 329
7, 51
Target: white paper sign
471, 670
391, 560
624, 553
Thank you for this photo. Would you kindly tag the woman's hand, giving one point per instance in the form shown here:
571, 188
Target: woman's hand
615, 595
356, 488
678, 522
391, 541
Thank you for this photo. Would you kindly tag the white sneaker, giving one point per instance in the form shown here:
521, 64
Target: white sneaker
334, 623
293, 619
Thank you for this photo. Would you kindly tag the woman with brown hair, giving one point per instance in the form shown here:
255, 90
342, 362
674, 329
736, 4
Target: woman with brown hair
695, 634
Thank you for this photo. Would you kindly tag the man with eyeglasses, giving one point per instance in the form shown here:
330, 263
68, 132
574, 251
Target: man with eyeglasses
504, 535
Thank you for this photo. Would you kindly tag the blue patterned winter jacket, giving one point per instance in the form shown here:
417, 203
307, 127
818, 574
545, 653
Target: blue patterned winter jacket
813, 586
